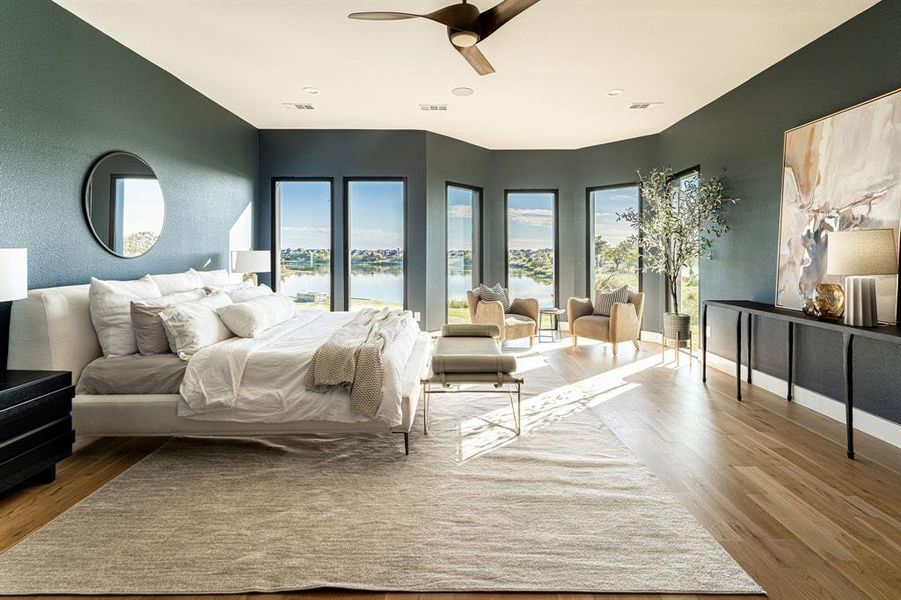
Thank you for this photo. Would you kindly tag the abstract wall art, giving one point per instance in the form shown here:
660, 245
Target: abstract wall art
839, 173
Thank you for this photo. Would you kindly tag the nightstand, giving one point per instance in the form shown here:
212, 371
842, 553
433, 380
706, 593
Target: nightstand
35, 425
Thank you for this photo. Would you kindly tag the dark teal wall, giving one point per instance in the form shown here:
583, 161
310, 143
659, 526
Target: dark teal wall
69, 93
742, 132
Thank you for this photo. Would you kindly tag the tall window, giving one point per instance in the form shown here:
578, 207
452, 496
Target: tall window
690, 280
531, 245
375, 242
303, 209
462, 248
613, 251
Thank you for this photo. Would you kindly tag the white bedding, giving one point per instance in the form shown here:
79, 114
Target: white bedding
260, 379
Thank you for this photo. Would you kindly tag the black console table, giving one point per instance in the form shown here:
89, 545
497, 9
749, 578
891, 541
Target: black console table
885, 333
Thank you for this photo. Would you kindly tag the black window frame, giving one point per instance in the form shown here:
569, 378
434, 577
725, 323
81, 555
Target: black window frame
556, 193
346, 231
478, 237
276, 229
674, 177
589, 229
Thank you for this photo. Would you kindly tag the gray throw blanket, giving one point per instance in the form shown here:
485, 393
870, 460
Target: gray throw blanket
352, 357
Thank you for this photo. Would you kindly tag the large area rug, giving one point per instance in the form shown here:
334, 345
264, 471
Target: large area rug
564, 507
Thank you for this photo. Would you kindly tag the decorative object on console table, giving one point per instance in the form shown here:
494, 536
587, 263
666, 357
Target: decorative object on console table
860, 254
675, 227
251, 262
827, 303
35, 425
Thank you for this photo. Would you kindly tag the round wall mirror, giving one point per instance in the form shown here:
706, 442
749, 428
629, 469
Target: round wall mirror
123, 204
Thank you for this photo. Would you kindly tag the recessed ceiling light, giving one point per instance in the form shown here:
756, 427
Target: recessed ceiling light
462, 91
615, 92
311, 90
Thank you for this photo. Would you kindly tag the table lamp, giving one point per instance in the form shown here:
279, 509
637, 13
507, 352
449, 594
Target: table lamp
251, 262
860, 254
13, 274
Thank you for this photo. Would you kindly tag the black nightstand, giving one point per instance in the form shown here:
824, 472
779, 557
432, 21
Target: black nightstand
35, 425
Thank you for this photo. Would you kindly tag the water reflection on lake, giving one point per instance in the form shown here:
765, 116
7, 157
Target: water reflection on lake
388, 286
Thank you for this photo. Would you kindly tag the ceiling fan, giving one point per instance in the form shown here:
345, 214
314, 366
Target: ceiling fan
466, 26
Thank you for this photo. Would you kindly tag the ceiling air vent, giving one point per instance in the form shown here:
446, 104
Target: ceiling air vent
431, 107
297, 106
644, 105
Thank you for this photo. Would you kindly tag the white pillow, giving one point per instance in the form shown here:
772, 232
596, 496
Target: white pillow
145, 320
217, 277
175, 283
253, 317
243, 294
111, 312
191, 326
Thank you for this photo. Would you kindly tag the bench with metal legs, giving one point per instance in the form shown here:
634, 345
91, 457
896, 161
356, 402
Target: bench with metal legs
507, 385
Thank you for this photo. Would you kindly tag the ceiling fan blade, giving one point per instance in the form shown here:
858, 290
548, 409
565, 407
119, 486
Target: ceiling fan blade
476, 59
462, 17
494, 18
381, 16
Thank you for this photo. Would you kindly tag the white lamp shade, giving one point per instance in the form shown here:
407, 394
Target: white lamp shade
252, 261
862, 252
13, 274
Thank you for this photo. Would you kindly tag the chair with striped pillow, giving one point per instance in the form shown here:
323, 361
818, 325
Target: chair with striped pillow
515, 319
613, 317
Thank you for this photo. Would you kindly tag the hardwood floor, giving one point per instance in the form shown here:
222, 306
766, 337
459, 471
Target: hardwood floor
769, 479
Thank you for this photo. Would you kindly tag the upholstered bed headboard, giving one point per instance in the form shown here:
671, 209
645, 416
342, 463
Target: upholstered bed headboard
51, 330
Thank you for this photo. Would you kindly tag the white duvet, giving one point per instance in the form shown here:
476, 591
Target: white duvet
260, 379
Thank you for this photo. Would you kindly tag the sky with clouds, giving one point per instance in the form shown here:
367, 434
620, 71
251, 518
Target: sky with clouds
376, 214
607, 204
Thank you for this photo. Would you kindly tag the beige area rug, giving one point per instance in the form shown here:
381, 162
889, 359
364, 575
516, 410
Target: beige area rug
565, 507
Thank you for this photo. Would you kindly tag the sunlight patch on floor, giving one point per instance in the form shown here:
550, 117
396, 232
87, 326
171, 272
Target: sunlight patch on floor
497, 428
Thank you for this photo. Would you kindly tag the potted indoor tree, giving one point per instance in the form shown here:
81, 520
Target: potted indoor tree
678, 222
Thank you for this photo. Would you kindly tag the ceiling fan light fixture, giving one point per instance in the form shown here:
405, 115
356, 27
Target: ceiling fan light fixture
464, 39
462, 91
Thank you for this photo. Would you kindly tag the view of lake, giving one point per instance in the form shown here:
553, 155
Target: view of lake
387, 285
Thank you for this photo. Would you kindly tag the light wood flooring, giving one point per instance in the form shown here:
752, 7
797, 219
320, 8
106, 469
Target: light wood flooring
769, 479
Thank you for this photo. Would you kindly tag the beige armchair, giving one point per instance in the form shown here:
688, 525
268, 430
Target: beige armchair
520, 322
623, 324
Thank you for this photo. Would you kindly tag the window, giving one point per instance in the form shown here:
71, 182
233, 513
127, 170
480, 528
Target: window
463, 226
303, 234
532, 245
137, 216
687, 182
375, 239
614, 259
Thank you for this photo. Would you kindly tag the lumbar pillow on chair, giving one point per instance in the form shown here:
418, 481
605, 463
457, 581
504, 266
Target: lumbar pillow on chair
494, 294
604, 301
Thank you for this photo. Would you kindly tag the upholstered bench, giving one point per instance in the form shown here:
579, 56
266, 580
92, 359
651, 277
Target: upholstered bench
470, 354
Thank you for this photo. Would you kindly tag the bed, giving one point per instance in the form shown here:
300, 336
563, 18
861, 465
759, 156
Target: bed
52, 330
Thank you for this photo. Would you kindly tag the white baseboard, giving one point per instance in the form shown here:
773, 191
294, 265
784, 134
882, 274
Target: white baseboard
880, 428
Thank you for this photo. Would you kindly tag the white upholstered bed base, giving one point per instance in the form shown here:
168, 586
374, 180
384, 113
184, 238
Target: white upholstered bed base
52, 330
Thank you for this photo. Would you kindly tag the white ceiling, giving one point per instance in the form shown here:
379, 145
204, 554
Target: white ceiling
555, 62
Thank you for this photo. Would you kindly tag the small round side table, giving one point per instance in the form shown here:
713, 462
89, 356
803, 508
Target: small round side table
553, 315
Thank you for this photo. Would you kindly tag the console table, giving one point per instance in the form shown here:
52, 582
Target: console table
885, 333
